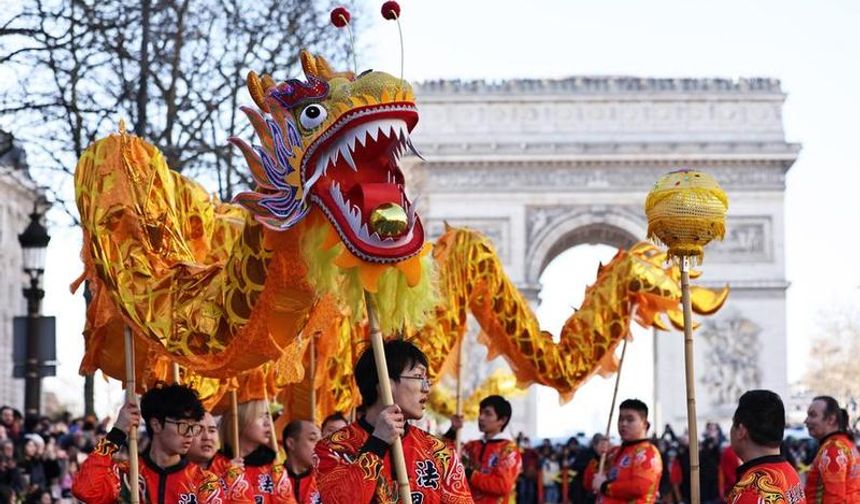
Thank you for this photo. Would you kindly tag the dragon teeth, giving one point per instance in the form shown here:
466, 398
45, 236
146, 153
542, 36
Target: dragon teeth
347, 156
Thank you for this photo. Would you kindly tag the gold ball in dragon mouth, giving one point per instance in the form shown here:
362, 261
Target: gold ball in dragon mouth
388, 219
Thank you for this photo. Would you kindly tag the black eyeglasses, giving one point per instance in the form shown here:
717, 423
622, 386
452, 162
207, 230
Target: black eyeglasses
425, 382
185, 428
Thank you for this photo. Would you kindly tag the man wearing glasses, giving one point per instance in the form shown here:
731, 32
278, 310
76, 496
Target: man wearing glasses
172, 415
355, 463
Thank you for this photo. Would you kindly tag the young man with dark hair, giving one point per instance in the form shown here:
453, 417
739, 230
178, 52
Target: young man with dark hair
355, 463
333, 423
494, 462
756, 434
636, 466
834, 475
299, 438
204, 452
171, 414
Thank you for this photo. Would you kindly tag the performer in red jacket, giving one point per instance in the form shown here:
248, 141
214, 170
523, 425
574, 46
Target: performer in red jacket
494, 462
300, 438
263, 481
635, 466
171, 414
204, 452
765, 475
834, 476
354, 462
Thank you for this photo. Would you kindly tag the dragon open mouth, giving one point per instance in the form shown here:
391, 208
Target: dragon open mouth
352, 173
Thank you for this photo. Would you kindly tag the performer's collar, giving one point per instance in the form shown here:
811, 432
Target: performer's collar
832, 434
300, 475
767, 459
368, 427
147, 459
262, 455
499, 436
634, 441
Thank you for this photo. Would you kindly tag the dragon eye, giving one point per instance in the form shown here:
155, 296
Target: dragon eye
312, 116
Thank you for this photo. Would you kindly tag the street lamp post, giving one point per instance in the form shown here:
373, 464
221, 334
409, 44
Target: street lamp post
34, 243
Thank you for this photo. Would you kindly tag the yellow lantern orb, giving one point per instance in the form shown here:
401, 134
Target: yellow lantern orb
686, 209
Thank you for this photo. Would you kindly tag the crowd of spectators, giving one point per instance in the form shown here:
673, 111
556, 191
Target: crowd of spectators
551, 469
39, 456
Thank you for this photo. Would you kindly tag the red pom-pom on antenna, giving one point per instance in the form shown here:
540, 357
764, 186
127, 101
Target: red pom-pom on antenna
340, 17
391, 10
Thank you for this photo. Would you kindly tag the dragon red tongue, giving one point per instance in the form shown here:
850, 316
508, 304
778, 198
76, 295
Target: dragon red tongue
369, 196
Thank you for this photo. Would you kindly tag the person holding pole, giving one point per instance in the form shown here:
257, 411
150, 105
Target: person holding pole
494, 462
588, 465
355, 462
266, 481
171, 414
333, 423
300, 438
204, 452
757, 430
635, 466
834, 475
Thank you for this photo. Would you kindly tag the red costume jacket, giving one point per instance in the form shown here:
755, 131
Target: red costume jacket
834, 476
635, 468
588, 477
304, 487
263, 481
233, 484
767, 479
355, 467
496, 463
729, 463
101, 480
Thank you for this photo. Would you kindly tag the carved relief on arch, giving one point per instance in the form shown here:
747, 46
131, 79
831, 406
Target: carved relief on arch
550, 230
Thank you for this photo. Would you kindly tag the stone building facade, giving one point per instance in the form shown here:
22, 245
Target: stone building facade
18, 193
541, 166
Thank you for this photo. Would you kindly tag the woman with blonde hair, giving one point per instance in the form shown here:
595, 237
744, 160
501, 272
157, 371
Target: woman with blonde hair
267, 481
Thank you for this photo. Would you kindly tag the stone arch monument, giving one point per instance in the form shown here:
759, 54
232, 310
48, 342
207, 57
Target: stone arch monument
543, 165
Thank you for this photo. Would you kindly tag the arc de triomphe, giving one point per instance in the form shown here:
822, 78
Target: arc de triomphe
541, 166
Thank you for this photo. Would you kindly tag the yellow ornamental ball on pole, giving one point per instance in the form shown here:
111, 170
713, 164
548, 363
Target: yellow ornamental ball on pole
686, 209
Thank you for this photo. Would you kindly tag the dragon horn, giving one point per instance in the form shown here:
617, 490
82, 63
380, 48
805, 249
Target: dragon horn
257, 91
268, 83
309, 64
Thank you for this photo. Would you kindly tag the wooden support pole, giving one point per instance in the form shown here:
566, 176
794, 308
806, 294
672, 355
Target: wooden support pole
692, 430
397, 459
234, 423
130, 397
313, 370
612, 408
273, 440
459, 389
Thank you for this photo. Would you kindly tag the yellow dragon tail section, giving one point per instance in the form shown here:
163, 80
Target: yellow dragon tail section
471, 279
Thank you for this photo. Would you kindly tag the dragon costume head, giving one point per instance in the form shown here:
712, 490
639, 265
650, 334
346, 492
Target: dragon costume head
334, 141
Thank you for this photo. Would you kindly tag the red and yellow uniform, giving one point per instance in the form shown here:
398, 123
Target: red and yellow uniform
496, 464
729, 463
263, 481
231, 477
356, 467
635, 468
770, 480
834, 476
101, 480
588, 475
304, 487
